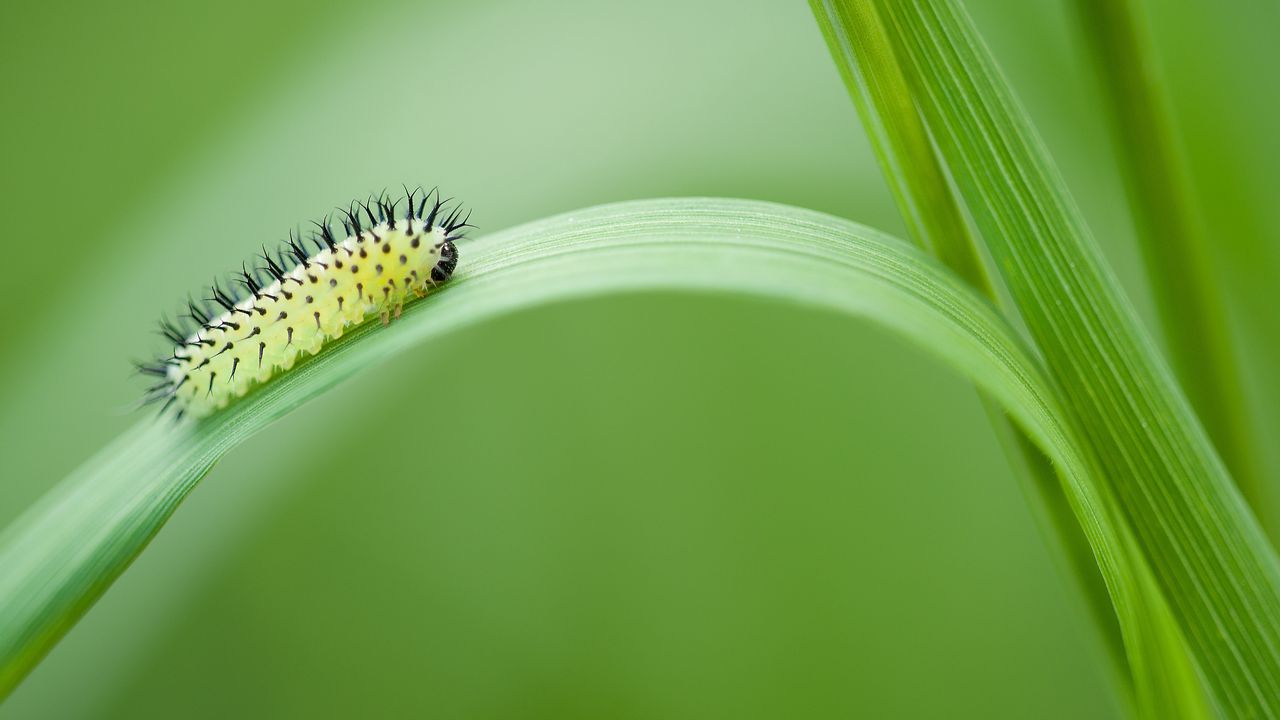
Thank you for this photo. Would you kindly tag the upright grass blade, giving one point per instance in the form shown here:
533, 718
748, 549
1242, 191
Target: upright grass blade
64, 552
1188, 293
1205, 548
857, 40
898, 136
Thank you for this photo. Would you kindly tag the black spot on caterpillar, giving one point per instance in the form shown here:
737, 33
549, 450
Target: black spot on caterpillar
202, 372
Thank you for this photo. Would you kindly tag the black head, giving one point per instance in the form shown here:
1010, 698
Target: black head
448, 261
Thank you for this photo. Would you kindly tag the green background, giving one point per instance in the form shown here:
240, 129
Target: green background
645, 506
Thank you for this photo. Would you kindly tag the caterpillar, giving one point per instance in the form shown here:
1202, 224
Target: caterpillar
257, 324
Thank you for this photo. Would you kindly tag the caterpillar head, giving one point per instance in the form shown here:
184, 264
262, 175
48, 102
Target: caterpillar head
443, 269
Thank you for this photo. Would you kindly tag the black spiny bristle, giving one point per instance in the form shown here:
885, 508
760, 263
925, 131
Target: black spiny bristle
272, 268
435, 210
422, 206
448, 219
353, 221
169, 403
297, 250
283, 255
197, 313
326, 234
408, 196
224, 300
453, 223
152, 369
218, 296
249, 282
389, 212
170, 332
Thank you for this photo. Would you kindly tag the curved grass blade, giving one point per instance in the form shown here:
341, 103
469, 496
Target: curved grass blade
65, 552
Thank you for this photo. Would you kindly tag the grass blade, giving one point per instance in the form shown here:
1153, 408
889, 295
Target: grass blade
64, 552
1204, 546
865, 58
899, 137
1171, 233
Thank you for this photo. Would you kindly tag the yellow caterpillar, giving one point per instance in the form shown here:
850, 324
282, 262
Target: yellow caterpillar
239, 340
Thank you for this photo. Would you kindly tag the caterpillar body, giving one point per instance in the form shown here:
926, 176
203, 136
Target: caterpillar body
297, 301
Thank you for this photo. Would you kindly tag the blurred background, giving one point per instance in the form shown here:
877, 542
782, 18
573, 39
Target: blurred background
646, 506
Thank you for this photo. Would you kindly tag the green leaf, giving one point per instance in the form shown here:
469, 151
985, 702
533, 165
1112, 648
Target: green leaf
64, 552
857, 40
1171, 233
865, 58
1213, 566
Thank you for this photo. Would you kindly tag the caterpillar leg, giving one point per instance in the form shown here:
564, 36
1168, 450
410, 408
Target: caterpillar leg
399, 309
386, 318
